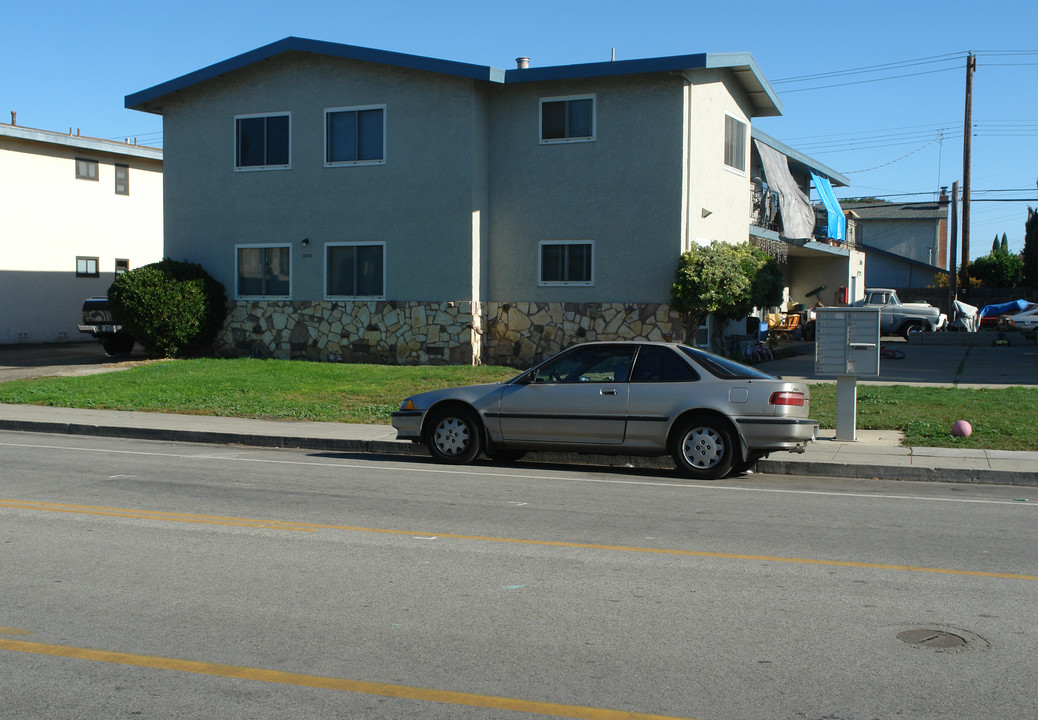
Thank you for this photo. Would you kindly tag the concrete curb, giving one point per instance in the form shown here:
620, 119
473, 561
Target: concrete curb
777, 464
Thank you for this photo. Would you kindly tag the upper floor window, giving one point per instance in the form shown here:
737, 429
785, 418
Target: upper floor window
568, 119
355, 135
355, 270
122, 265
262, 142
735, 143
86, 267
86, 169
263, 271
566, 262
122, 179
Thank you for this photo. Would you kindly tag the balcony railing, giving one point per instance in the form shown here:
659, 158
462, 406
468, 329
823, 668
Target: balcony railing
765, 215
765, 211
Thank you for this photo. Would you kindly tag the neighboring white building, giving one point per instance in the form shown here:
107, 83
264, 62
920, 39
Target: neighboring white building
76, 211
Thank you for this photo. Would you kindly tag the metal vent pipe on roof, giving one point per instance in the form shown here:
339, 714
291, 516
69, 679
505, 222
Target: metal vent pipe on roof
522, 63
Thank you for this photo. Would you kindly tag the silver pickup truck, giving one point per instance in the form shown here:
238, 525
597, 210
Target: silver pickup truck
898, 318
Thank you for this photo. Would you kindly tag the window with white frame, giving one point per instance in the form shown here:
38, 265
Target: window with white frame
262, 142
263, 271
734, 143
355, 270
566, 262
568, 119
355, 136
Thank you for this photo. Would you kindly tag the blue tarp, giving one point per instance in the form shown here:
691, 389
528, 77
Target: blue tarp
837, 222
1004, 308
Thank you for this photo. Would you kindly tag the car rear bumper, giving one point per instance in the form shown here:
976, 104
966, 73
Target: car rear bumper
778, 433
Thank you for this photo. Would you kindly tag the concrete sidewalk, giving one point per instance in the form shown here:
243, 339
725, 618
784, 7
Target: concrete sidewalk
876, 454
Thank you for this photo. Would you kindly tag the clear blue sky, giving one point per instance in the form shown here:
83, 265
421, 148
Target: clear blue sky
895, 131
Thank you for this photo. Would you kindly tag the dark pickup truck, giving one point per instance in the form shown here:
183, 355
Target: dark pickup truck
98, 322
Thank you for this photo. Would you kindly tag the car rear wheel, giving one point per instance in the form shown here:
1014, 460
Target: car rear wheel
702, 448
454, 435
117, 344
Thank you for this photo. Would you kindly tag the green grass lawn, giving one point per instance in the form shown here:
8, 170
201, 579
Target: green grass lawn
1002, 419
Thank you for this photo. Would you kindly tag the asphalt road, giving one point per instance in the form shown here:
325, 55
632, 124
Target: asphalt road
169, 580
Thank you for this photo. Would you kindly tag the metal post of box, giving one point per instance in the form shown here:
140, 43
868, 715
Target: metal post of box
847, 346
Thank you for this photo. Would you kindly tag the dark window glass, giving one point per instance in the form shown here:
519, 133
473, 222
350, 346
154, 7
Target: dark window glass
661, 364
723, 367
355, 135
355, 270
263, 271
262, 141
567, 119
566, 262
597, 363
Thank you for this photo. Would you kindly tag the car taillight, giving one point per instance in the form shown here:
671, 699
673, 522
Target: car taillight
787, 398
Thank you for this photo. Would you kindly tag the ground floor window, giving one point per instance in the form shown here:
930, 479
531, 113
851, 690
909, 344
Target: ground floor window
566, 262
264, 271
355, 270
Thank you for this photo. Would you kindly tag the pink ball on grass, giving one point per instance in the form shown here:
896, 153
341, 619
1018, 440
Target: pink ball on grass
961, 428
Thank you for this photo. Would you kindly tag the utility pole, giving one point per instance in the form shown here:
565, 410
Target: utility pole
967, 136
953, 276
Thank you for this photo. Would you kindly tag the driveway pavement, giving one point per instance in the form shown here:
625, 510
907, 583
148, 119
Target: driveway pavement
71, 358
928, 364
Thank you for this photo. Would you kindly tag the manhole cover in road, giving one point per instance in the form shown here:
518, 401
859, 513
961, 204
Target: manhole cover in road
931, 638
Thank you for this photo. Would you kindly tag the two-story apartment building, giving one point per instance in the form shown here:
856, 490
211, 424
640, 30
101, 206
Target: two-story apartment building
360, 204
76, 211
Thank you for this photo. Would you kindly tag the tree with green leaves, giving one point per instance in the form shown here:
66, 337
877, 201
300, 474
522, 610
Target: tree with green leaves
726, 280
1030, 254
998, 270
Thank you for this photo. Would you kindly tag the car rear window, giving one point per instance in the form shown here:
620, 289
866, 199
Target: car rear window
725, 368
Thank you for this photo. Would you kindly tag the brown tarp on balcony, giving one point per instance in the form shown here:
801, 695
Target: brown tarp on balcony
798, 218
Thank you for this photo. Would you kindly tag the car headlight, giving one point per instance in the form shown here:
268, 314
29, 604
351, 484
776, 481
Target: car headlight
407, 404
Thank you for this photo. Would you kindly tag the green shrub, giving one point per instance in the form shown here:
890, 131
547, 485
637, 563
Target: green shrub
171, 308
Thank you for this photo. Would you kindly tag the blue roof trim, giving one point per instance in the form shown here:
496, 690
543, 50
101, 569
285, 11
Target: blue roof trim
604, 69
318, 47
742, 65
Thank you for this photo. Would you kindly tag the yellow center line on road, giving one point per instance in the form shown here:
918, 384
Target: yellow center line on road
448, 697
314, 527
156, 515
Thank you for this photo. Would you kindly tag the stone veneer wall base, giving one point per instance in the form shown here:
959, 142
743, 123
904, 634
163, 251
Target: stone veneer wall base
518, 334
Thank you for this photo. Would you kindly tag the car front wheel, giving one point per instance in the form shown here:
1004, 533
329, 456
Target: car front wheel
454, 435
702, 448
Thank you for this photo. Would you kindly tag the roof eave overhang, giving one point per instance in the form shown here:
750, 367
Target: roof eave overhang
151, 100
743, 67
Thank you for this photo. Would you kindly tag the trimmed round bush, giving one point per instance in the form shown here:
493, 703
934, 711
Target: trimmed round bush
171, 308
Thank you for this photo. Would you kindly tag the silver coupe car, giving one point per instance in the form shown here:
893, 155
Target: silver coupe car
712, 415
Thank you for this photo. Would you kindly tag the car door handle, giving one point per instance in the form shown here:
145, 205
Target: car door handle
608, 391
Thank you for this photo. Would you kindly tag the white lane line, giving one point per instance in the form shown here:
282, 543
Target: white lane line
440, 470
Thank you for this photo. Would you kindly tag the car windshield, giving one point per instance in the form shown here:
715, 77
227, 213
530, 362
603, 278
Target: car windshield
725, 368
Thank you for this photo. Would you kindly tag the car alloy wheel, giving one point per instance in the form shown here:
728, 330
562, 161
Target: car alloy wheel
454, 436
